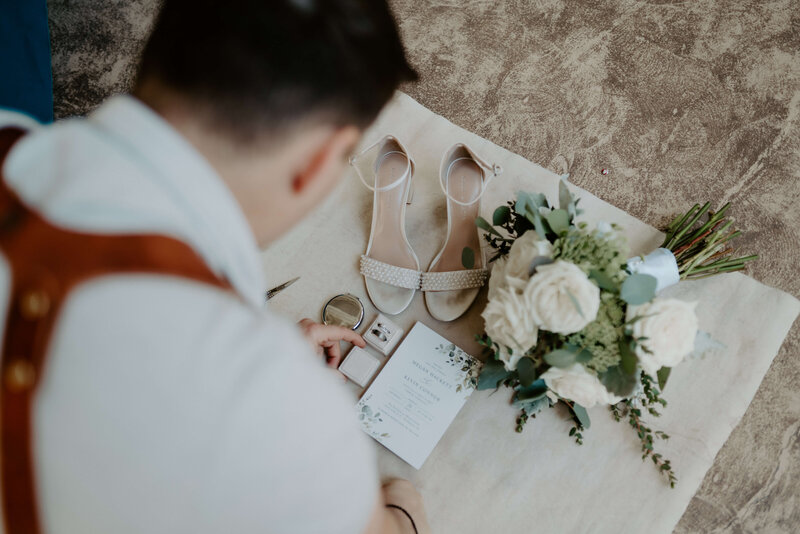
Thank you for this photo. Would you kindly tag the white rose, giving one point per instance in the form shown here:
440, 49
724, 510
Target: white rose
670, 326
522, 252
578, 385
508, 323
561, 298
497, 279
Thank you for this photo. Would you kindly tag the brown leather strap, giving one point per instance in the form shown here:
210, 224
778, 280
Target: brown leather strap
46, 262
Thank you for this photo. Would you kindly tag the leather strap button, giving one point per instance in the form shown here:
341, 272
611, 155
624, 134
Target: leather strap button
20, 375
34, 304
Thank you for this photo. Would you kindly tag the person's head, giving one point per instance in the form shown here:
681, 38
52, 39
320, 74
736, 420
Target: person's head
275, 93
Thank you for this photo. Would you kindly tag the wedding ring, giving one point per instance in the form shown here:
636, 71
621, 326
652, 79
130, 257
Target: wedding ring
380, 335
383, 328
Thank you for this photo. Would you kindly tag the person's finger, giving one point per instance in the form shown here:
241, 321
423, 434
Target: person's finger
305, 323
333, 361
340, 333
333, 353
332, 348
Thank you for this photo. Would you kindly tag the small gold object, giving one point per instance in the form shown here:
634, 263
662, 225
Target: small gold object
20, 375
34, 304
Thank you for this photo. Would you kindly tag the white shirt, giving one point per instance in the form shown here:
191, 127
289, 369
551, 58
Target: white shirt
166, 405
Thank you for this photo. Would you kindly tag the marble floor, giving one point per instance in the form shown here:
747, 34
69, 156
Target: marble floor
680, 101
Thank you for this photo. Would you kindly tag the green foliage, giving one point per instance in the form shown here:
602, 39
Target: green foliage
580, 420
663, 375
565, 198
561, 358
558, 220
526, 371
468, 258
593, 250
501, 215
601, 337
492, 375
581, 415
618, 381
534, 392
510, 222
632, 409
628, 359
603, 280
638, 289
483, 224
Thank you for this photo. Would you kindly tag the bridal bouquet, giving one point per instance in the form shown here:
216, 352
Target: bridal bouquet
572, 320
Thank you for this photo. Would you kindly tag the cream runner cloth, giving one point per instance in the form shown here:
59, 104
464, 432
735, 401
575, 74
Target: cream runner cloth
483, 477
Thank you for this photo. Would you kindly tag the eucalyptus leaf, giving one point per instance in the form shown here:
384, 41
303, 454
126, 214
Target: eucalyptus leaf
575, 303
582, 415
501, 215
492, 374
468, 258
560, 358
538, 224
535, 390
558, 221
663, 375
628, 357
564, 196
603, 281
638, 288
534, 405
538, 261
538, 200
584, 356
521, 205
483, 224
573, 211
617, 382
527, 371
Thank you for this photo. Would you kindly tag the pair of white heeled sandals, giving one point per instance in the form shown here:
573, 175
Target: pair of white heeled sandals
390, 267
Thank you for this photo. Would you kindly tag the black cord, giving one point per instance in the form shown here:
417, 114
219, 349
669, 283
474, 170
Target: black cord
413, 525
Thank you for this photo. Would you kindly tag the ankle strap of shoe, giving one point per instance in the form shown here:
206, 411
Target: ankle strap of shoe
409, 164
491, 171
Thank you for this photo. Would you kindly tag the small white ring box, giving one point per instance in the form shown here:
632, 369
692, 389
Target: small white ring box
383, 335
359, 366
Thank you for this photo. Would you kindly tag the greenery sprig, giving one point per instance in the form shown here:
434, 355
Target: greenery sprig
508, 219
702, 248
630, 408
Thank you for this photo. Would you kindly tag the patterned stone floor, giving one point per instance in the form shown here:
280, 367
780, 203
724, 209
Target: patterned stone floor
680, 101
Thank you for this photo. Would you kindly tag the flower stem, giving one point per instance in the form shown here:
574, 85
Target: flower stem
704, 250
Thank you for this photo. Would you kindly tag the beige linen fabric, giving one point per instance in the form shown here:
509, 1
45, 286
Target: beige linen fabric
483, 477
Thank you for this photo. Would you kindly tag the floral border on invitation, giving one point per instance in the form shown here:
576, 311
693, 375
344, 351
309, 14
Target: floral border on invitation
470, 366
370, 419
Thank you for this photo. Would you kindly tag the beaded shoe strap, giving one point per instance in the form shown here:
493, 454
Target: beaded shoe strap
390, 274
454, 280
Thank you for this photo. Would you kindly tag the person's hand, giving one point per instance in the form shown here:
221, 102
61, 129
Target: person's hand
326, 338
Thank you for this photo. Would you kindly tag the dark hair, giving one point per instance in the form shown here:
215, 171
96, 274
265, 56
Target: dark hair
257, 66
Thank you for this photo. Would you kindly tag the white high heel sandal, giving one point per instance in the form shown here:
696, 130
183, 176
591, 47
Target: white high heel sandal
390, 266
450, 288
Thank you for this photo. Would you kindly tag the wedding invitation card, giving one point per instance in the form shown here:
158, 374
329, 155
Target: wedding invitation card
418, 394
